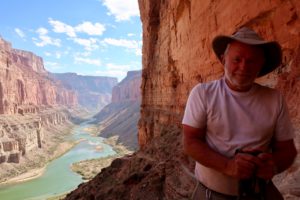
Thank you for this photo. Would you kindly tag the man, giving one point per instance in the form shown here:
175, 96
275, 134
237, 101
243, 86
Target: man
236, 129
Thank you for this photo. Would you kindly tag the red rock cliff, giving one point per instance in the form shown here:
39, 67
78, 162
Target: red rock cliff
25, 83
128, 89
177, 54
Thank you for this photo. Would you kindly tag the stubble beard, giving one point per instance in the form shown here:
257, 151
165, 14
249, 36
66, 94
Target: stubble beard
234, 82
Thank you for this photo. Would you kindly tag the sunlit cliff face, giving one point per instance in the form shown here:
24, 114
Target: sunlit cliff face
242, 63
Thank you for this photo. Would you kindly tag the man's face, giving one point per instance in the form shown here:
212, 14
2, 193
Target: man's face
242, 63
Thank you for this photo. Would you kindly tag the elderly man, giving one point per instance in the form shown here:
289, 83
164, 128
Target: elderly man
235, 129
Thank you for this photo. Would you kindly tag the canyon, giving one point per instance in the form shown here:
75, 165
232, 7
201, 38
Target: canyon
38, 109
177, 54
93, 92
120, 117
27, 96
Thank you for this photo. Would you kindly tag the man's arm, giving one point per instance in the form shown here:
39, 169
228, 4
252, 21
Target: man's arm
240, 166
284, 154
282, 157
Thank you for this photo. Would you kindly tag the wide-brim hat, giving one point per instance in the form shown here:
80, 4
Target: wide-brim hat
272, 49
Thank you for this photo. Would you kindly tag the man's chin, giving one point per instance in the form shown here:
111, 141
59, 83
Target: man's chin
241, 85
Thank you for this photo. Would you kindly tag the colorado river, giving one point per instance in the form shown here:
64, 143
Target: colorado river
58, 177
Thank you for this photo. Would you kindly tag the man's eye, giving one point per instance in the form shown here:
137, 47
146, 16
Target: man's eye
236, 60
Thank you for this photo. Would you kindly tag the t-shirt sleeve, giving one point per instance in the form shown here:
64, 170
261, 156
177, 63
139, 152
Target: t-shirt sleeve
195, 110
283, 128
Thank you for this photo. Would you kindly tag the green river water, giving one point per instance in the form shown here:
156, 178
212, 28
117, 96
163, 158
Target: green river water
58, 177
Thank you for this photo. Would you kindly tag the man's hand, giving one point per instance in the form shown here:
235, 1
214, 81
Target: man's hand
243, 166
267, 169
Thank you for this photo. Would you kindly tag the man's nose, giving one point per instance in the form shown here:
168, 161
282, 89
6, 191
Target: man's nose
244, 65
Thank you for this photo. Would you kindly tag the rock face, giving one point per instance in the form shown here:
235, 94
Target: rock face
120, 117
21, 134
177, 54
94, 92
26, 93
25, 85
128, 89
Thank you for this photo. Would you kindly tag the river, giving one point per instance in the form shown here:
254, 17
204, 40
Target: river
58, 177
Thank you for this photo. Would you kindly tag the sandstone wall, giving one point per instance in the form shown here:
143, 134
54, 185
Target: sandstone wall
24, 83
20, 135
128, 89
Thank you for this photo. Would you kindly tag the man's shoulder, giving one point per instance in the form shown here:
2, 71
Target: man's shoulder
266, 89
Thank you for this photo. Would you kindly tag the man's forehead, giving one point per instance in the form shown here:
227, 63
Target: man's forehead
242, 47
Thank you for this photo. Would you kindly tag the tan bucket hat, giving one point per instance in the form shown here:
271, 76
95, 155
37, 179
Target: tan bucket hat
272, 49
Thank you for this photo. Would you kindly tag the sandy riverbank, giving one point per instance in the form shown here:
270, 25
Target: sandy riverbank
88, 169
61, 149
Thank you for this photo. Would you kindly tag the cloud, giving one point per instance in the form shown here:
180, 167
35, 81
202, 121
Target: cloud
44, 39
20, 33
47, 53
87, 61
52, 65
90, 29
115, 70
129, 44
121, 10
83, 54
130, 34
112, 66
58, 55
60, 27
42, 31
89, 44
85, 27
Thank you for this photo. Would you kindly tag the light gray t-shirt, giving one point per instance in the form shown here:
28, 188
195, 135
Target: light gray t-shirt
235, 120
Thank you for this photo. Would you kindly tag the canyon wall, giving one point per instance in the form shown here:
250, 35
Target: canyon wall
128, 89
177, 54
29, 102
21, 134
120, 117
94, 92
25, 84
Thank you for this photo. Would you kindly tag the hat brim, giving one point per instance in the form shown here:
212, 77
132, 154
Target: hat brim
273, 54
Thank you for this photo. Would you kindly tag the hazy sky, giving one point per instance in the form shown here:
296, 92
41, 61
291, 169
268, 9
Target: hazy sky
88, 37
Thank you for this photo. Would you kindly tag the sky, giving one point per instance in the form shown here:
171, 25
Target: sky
87, 37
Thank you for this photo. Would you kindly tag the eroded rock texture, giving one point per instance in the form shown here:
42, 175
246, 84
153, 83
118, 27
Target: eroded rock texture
26, 96
24, 83
21, 134
177, 54
128, 89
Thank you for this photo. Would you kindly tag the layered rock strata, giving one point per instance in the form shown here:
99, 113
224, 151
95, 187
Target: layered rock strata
25, 84
128, 89
28, 98
177, 55
22, 134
